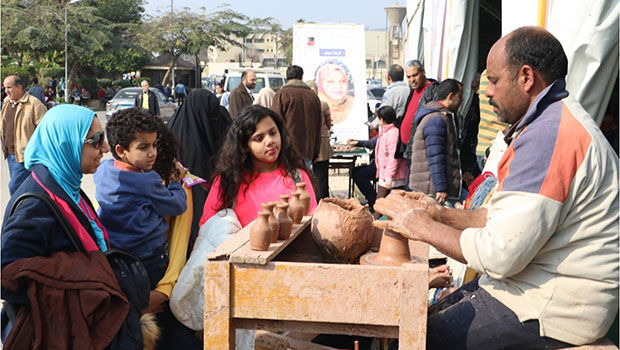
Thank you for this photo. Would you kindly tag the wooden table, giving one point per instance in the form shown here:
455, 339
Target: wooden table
288, 288
345, 162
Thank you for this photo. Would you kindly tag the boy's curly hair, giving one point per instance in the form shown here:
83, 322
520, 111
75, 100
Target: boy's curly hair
122, 127
169, 150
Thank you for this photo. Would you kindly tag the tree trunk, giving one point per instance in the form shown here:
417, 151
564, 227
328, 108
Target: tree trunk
165, 78
72, 75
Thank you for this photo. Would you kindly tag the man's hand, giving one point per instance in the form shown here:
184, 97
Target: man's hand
441, 197
407, 216
156, 302
352, 143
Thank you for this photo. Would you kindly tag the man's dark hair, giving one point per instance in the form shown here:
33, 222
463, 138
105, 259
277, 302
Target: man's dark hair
122, 127
539, 49
244, 73
35, 80
387, 113
396, 72
294, 72
18, 81
447, 87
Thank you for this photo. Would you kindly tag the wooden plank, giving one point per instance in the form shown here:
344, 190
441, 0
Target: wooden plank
367, 330
319, 292
218, 331
413, 290
238, 240
245, 255
270, 341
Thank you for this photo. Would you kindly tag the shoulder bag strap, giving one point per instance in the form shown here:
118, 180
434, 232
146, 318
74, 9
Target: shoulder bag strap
62, 220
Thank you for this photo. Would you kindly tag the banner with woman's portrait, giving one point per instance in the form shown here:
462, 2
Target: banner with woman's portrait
333, 55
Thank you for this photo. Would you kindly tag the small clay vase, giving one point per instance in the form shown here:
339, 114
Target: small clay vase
286, 224
273, 221
304, 196
284, 199
393, 251
297, 207
260, 232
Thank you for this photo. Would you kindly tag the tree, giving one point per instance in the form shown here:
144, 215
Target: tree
187, 33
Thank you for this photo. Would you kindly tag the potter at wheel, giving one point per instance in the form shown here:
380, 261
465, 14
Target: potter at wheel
393, 251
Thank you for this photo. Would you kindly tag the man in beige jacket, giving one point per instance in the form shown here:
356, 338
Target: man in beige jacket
546, 243
21, 113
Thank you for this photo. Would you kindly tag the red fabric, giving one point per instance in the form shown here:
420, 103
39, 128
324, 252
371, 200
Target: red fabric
407, 124
84, 236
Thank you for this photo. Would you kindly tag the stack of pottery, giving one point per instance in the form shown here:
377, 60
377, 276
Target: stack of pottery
342, 229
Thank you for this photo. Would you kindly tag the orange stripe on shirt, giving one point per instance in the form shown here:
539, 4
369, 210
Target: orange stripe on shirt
503, 168
569, 152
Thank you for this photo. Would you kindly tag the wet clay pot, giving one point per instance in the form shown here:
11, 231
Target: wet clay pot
304, 196
393, 251
286, 224
342, 229
284, 199
273, 221
297, 208
260, 232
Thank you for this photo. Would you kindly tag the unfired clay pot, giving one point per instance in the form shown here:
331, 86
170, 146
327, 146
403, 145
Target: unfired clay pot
273, 221
342, 229
393, 251
260, 232
304, 196
297, 207
286, 224
284, 199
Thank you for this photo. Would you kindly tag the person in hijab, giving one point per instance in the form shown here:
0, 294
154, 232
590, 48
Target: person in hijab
200, 124
68, 143
265, 97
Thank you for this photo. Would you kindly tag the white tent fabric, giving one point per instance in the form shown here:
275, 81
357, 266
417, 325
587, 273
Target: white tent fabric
443, 35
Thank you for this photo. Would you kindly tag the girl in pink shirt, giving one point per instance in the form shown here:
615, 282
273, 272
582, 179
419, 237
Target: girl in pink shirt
391, 172
256, 164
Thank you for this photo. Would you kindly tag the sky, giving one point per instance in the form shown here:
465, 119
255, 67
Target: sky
370, 13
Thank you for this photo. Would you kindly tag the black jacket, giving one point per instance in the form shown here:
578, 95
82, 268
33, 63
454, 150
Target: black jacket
153, 103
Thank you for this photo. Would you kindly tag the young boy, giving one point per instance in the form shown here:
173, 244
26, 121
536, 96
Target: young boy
133, 200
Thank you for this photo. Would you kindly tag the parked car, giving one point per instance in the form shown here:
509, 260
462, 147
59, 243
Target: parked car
372, 100
273, 80
125, 98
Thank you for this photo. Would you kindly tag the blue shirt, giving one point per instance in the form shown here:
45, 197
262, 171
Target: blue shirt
133, 205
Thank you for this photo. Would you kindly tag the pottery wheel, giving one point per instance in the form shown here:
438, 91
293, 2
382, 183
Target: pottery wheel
370, 259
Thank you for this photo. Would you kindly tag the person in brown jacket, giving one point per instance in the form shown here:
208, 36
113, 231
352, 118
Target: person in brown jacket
21, 113
300, 108
241, 96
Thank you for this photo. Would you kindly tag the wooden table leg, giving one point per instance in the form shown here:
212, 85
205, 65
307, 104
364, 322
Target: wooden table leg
413, 290
219, 332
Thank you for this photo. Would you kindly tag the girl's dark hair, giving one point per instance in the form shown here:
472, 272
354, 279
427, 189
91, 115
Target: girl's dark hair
234, 164
169, 150
387, 113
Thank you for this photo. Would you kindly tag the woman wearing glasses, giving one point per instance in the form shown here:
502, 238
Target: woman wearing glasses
43, 280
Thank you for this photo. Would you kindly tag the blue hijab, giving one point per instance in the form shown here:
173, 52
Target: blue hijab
57, 144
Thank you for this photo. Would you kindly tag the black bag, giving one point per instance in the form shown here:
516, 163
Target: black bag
130, 273
400, 147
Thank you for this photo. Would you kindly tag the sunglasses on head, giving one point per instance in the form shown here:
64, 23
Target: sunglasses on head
96, 140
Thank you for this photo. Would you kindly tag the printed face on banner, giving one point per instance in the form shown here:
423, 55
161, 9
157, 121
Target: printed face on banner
336, 87
334, 53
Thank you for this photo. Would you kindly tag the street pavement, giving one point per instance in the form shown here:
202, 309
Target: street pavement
88, 184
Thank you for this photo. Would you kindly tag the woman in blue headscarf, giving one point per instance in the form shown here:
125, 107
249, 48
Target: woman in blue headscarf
68, 143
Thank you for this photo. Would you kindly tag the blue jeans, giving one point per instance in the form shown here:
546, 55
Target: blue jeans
156, 262
17, 173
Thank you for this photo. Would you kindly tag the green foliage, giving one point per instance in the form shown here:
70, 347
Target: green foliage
122, 83
89, 83
126, 57
24, 72
104, 83
44, 82
52, 72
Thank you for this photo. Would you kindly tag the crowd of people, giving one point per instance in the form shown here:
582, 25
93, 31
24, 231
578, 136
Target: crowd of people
535, 213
